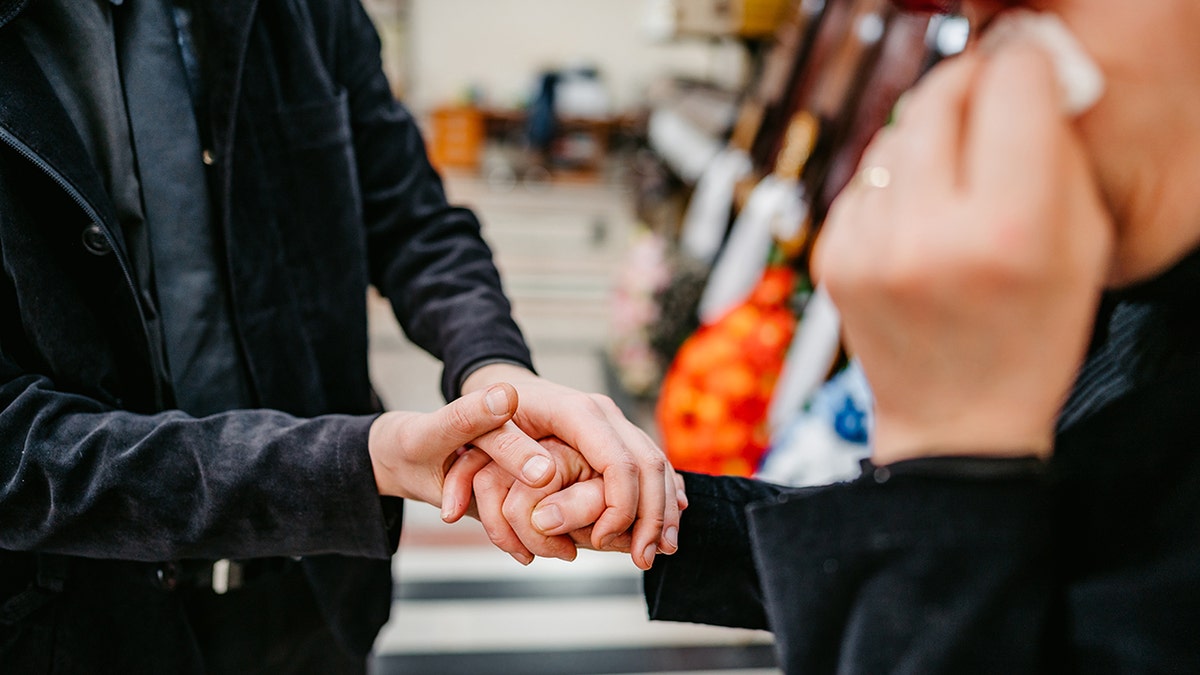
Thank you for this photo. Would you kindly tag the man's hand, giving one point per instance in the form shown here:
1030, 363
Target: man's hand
411, 452
635, 472
969, 260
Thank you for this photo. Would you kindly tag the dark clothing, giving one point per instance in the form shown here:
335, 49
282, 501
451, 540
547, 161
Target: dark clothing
1094, 568
319, 186
120, 73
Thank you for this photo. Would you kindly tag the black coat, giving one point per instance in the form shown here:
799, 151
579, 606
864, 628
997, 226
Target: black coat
321, 188
1094, 567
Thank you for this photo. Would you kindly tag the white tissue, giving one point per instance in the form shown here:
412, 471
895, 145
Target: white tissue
1079, 78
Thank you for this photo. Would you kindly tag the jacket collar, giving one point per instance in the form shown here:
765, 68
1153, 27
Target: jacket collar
31, 113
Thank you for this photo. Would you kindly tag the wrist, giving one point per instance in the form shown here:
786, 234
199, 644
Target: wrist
382, 438
377, 438
492, 373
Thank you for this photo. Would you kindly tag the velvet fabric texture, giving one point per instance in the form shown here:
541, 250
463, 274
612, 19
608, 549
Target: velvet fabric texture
321, 187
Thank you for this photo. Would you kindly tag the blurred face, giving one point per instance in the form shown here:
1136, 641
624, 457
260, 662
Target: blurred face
1143, 137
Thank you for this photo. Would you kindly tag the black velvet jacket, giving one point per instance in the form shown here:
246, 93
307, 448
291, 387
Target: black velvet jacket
1092, 568
321, 188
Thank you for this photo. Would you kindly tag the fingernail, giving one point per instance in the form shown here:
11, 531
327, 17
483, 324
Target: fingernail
605, 542
681, 497
537, 468
446, 513
672, 537
497, 401
523, 559
547, 518
648, 554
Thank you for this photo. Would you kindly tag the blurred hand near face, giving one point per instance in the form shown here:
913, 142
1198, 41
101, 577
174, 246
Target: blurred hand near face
968, 266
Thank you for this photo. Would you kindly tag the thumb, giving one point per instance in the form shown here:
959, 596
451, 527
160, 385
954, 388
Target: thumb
570, 509
463, 420
483, 419
411, 452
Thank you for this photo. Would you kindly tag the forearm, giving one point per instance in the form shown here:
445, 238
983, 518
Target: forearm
83, 479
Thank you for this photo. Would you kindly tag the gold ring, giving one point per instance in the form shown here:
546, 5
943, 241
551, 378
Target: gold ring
875, 176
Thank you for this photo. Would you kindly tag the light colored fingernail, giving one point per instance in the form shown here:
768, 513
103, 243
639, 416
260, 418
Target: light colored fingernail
648, 554
524, 559
537, 468
446, 513
607, 541
672, 537
681, 497
547, 518
497, 401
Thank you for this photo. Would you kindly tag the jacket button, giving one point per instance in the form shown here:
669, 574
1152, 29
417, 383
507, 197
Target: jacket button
168, 576
94, 240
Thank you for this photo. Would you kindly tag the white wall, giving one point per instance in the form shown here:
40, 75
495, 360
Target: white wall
501, 46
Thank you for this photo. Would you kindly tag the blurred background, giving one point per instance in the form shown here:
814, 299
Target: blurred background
651, 175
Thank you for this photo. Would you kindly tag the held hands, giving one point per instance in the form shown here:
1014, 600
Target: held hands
554, 520
638, 483
968, 261
607, 485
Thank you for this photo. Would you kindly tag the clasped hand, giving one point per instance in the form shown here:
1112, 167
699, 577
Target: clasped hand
546, 469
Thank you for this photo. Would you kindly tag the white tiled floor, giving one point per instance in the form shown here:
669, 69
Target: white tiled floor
558, 250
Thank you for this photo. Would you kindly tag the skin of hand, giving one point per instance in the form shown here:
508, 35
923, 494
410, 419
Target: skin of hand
636, 473
968, 286
551, 521
411, 452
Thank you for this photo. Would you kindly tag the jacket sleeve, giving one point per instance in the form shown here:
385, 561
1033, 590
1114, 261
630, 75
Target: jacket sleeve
84, 479
890, 573
427, 257
913, 573
712, 578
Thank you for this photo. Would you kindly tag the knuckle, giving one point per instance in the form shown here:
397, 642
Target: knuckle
589, 405
512, 512
458, 422
605, 403
487, 481
624, 521
623, 467
505, 443
657, 464
653, 522
496, 534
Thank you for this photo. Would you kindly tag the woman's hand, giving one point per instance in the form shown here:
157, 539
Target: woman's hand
968, 260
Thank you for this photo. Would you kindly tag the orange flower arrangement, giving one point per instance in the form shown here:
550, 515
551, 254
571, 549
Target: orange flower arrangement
712, 410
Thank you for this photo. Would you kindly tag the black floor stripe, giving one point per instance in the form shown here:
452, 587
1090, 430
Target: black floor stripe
598, 587
579, 662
